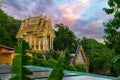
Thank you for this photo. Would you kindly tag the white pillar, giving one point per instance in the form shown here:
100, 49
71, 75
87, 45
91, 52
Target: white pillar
35, 42
52, 43
43, 43
30, 40
39, 45
46, 43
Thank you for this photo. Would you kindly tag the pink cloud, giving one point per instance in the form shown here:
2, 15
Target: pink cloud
80, 29
96, 23
68, 13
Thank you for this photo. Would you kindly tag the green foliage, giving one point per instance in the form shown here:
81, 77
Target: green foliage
57, 72
51, 62
97, 54
78, 67
116, 59
18, 70
5, 37
8, 29
115, 69
71, 67
81, 68
52, 54
39, 60
118, 78
112, 31
109, 11
36, 57
43, 62
65, 38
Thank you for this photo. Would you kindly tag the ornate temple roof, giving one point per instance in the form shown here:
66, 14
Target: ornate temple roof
37, 25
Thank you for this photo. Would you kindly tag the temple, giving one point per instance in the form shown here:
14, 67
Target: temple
38, 32
80, 57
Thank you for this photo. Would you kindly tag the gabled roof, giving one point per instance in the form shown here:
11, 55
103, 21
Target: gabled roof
39, 26
80, 57
1, 46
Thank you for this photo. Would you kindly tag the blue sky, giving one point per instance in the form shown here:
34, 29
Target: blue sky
84, 17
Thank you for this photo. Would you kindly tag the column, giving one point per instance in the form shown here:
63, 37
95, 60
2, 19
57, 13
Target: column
35, 42
39, 44
46, 43
52, 43
30, 40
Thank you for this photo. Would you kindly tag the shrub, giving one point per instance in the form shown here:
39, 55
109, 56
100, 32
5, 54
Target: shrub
81, 68
43, 62
36, 57
118, 78
71, 67
57, 72
52, 54
51, 62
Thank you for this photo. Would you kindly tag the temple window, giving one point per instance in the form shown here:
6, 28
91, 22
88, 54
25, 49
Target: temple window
33, 21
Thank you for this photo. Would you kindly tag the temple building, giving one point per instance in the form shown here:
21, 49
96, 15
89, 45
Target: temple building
6, 54
80, 57
38, 32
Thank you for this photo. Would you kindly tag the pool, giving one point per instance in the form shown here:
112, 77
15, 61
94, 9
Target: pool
44, 72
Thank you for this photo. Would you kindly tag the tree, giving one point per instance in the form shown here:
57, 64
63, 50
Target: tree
97, 54
4, 40
112, 30
65, 38
57, 72
18, 70
8, 29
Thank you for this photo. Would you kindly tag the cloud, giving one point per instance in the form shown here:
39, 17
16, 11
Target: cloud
84, 17
96, 23
91, 28
68, 13
23, 8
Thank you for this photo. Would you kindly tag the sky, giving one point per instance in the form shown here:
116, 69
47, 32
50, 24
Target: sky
84, 17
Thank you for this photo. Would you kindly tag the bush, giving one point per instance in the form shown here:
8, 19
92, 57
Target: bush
36, 57
81, 68
115, 69
57, 72
52, 54
71, 67
118, 78
43, 62
51, 62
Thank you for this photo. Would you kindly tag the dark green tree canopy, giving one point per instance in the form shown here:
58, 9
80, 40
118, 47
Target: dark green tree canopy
97, 54
112, 33
65, 38
112, 27
8, 29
